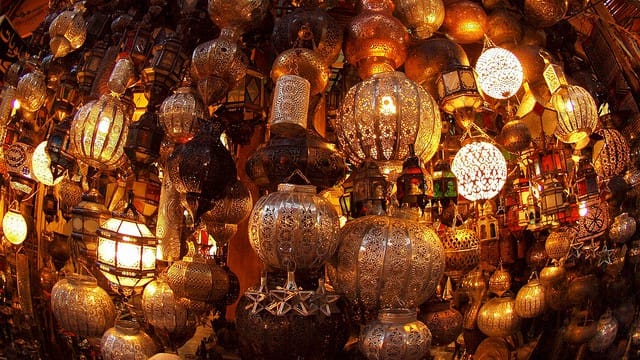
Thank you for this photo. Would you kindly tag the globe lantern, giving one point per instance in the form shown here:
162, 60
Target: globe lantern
180, 115
399, 113
469, 24
499, 72
421, 17
31, 90
14, 226
481, 170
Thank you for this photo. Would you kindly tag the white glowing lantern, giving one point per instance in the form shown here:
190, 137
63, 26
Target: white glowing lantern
41, 166
14, 226
499, 73
481, 170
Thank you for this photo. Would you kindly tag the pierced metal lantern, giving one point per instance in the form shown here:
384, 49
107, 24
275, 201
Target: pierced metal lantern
40, 166
165, 69
530, 300
180, 114
396, 334
127, 341
551, 197
239, 15
233, 207
515, 136
98, 132
399, 112
622, 228
577, 113
462, 251
86, 218
169, 223
481, 170
497, 317
470, 23
606, 331
304, 63
368, 195
458, 93
290, 105
384, 261
68, 32
421, 17
375, 41
81, 306
294, 227
587, 188
544, 13
594, 223
198, 279
444, 322
32, 90
499, 72
611, 154
558, 243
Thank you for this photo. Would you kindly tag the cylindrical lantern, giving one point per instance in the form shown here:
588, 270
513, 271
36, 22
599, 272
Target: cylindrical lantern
290, 105
399, 112
499, 72
497, 317
577, 113
198, 279
294, 227
384, 261
81, 306
396, 334
180, 114
481, 170
99, 131
127, 341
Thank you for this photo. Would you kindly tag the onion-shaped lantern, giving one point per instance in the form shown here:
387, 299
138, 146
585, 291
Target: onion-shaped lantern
461, 250
233, 207
67, 31
481, 170
530, 300
294, 227
240, 16
180, 114
98, 132
304, 63
383, 261
398, 112
577, 113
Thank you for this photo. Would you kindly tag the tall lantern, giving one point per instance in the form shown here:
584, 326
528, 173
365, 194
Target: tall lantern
481, 170
399, 112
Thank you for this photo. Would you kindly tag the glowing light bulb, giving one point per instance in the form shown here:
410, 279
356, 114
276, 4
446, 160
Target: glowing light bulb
583, 209
387, 106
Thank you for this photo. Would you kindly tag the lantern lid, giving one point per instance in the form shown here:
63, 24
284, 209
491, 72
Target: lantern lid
400, 315
310, 189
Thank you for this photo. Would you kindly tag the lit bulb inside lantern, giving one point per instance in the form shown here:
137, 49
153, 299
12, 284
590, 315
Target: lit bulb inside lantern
15, 106
15, 227
387, 106
583, 209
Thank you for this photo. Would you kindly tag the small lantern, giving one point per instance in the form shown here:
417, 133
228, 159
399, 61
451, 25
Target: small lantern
58, 149
86, 218
143, 141
499, 71
481, 170
127, 250
572, 210
17, 158
66, 96
164, 70
445, 184
587, 188
137, 44
14, 225
551, 197
180, 114
458, 93
411, 184
369, 190
91, 61
32, 90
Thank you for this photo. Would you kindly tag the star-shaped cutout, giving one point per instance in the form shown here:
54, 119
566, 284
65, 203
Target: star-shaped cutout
576, 250
281, 301
605, 256
301, 304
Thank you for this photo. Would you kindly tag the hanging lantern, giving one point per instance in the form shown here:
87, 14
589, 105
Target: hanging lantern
126, 250
170, 222
169, 317
86, 218
165, 69
14, 226
368, 195
515, 136
127, 341
462, 251
458, 93
545, 13
91, 60
551, 197
288, 116
469, 25
577, 113
587, 188
500, 281
399, 113
499, 72
309, 27
396, 334
294, 227
475, 286
304, 63
198, 279
68, 32
593, 223
580, 330
558, 243
40, 166
66, 97
98, 132
233, 207
17, 158
180, 114
421, 17
611, 154
58, 149
239, 16
144, 138
81, 306
217, 66
385, 261
606, 331
481, 170
411, 188
497, 317
553, 276
32, 90
201, 169
375, 41
504, 26
444, 322
622, 228
530, 300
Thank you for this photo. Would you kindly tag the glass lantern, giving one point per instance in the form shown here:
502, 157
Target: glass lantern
369, 194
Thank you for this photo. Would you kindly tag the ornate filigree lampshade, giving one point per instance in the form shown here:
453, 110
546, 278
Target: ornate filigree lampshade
41, 166
68, 31
14, 225
470, 23
481, 170
126, 250
499, 71
180, 114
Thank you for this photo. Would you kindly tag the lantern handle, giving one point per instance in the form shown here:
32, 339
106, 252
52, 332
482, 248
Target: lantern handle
299, 174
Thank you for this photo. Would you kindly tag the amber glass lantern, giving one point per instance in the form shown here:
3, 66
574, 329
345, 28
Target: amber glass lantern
126, 250
86, 218
399, 112
180, 114
470, 23
375, 41
481, 170
499, 71
98, 132
458, 93
290, 105
552, 197
68, 32
577, 113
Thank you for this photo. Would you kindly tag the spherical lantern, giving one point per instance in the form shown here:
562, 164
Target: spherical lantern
40, 166
611, 154
127, 341
310, 27
594, 223
14, 227
398, 113
421, 17
558, 243
375, 41
169, 317
68, 32
577, 113
544, 13
481, 170
31, 90
497, 317
180, 114
233, 207
469, 24
198, 279
500, 281
304, 63
217, 66
396, 334
504, 27
622, 228
530, 300
515, 136
462, 251
294, 227
606, 331
240, 15
443, 320
499, 72
81, 306
383, 261
98, 132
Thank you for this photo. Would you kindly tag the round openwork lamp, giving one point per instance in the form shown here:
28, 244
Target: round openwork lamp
421, 17
98, 132
398, 112
179, 115
481, 170
499, 72
31, 90
41, 166
577, 113
14, 226
68, 32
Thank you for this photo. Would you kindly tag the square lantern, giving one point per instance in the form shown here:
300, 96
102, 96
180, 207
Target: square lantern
369, 194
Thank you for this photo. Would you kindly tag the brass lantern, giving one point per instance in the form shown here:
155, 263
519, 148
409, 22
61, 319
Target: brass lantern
91, 60
164, 70
288, 115
369, 193
86, 218
458, 93
180, 115
126, 250
421, 17
144, 138
611, 154
68, 32
32, 90
304, 63
411, 189
551, 197
399, 112
14, 226
396, 334
470, 23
